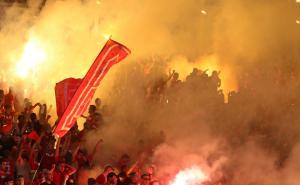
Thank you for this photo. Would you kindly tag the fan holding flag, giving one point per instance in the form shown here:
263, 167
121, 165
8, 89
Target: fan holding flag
73, 96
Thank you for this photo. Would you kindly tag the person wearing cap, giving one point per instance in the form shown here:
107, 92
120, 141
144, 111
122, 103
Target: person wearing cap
101, 179
22, 167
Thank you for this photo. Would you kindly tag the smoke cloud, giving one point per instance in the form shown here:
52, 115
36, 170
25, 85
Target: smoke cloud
253, 139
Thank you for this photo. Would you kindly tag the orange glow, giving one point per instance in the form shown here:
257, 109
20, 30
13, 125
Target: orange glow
203, 12
190, 176
33, 55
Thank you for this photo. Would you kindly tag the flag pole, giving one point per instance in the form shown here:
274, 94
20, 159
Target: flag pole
38, 167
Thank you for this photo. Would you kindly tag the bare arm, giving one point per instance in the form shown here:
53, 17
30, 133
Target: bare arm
95, 150
35, 105
70, 170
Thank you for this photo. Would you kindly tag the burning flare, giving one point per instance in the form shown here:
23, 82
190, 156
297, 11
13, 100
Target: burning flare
33, 55
190, 176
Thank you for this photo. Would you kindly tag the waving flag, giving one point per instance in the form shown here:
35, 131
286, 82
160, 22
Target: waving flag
64, 91
112, 53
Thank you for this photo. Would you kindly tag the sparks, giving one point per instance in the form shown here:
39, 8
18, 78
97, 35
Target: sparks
203, 12
190, 176
298, 21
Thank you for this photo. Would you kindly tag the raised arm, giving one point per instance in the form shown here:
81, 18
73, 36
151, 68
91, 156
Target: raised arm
35, 105
69, 170
95, 150
36, 144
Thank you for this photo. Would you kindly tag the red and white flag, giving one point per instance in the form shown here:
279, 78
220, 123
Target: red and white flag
112, 53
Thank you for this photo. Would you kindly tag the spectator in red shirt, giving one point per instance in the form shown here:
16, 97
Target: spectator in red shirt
6, 119
6, 170
45, 178
111, 179
62, 172
9, 98
23, 167
101, 179
83, 158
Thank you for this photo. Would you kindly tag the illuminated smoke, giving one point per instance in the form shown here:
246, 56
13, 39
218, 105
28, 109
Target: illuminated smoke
255, 45
33, 56
190, 176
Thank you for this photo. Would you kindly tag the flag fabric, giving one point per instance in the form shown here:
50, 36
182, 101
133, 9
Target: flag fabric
64, 91
112, 53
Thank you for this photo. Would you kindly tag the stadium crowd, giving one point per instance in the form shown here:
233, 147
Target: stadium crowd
30, 154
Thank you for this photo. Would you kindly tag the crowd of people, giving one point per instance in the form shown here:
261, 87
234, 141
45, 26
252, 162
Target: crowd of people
30, 154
